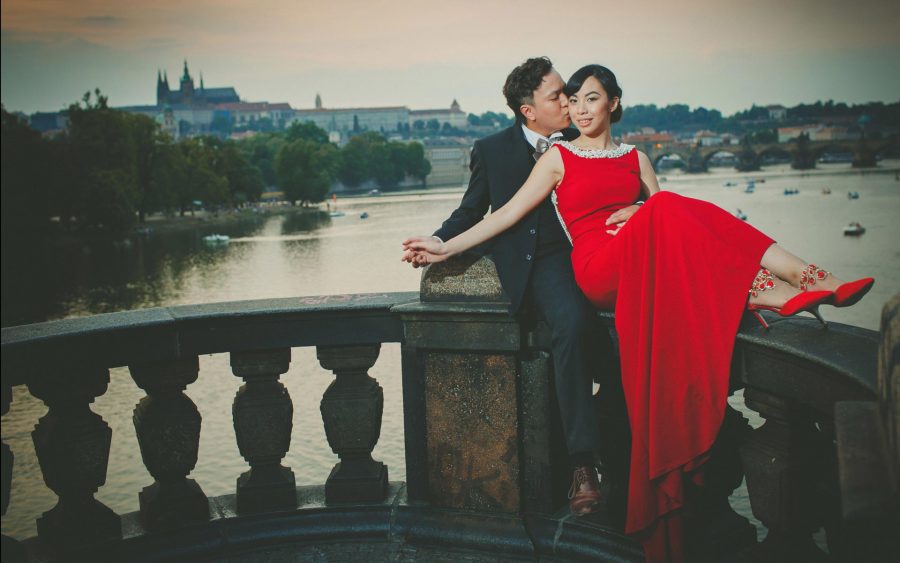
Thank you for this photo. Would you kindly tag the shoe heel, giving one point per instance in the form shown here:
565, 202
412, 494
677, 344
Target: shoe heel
760, 318
815, 312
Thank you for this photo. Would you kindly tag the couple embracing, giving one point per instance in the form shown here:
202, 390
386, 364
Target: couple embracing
579, 223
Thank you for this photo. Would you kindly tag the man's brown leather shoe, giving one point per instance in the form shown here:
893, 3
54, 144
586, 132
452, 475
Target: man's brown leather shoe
584, 495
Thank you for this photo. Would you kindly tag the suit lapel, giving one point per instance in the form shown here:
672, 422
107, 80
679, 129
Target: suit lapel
524, 161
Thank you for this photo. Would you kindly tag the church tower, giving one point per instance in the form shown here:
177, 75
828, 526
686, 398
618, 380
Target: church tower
187, 85
318, 101
162, 89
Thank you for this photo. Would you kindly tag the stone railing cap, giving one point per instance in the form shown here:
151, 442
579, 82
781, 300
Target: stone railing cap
465, 278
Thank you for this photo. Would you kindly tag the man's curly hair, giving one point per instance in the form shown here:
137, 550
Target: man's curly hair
523, 81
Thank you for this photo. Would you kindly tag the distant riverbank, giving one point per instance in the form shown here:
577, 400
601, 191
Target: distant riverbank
203, 219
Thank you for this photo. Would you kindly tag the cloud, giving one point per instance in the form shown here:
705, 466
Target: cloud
719, 53
102, 20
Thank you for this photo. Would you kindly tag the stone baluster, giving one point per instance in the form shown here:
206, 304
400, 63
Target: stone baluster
11, 547
167, 424
782, 462
263, 419
351, 411
72, 447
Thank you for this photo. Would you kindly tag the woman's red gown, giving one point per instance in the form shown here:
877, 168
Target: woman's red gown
677, 275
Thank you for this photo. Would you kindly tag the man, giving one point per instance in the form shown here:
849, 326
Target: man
533, 261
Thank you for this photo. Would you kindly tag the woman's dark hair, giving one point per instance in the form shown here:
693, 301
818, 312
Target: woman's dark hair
523, 81
606, 78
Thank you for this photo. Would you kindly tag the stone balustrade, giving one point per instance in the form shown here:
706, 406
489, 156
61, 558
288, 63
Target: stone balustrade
484, 466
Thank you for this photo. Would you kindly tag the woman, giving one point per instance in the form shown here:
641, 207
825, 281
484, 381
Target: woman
677, 274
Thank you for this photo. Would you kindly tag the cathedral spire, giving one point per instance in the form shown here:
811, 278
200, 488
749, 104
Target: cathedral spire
201, 80
318, 101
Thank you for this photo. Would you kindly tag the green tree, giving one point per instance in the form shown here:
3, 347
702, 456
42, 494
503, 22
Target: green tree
101, 166
26, 168
202, 182
222, 124
147, 140
357, 158
417, 165
306, 130
261, 150
306, 170
168, 177
245, 182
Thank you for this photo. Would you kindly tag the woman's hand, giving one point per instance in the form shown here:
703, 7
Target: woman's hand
420, 251
620, 217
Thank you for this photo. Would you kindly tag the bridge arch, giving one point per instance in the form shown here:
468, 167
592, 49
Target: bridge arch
777, 152
708, 157
658, 157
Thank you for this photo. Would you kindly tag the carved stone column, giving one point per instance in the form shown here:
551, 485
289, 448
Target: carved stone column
351, 411
263, 419
72, 447
167, 424
463, 367
11, 547
781, 464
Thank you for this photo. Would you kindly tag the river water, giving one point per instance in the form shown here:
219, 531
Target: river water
312, 254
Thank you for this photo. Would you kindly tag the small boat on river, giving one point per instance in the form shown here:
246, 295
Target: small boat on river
364, 215
791, 191
854, 229
216, 239
852, 195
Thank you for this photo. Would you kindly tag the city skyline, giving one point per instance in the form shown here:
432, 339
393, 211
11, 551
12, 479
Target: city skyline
423, 55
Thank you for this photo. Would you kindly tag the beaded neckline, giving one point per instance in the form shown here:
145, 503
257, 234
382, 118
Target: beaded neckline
621, 150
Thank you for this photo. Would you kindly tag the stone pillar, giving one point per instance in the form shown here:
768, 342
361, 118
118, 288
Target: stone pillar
11, 547
782, 463
72, 447
263, 418
461, 390
352, 408
889, 382
167, 424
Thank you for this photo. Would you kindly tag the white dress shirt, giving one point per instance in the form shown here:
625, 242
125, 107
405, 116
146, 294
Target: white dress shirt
532, 137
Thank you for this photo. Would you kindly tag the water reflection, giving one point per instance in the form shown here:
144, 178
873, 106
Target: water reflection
45, 281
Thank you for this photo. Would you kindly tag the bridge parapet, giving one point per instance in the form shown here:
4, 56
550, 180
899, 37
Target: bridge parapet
482, 459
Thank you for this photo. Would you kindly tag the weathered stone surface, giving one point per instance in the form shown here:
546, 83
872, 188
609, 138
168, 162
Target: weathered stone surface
263, 419
167, 424
472, 431
72, 446
465, 278
352, 409
889, 374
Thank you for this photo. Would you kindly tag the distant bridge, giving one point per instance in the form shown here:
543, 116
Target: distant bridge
697, 157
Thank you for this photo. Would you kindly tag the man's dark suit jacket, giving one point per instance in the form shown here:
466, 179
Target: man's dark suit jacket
500, 164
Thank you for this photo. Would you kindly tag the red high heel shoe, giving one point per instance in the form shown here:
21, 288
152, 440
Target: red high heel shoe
808, 301
845, 295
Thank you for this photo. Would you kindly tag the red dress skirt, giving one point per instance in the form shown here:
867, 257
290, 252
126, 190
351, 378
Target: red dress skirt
677, 275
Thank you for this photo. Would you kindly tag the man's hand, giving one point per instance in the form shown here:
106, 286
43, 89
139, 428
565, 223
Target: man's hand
620, 217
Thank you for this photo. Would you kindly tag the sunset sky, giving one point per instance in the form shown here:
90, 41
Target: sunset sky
721, 54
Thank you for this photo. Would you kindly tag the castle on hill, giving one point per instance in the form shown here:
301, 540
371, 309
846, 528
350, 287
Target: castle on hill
188, 94
193, 109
